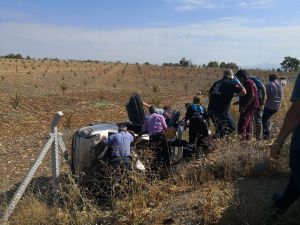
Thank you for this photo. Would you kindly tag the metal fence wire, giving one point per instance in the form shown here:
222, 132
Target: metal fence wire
43, 184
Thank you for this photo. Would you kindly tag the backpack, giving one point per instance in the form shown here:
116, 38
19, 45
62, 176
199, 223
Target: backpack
259, 86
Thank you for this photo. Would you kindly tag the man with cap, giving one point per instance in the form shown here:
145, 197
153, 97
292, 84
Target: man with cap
121, 147
248, 104
274, 90
220, 97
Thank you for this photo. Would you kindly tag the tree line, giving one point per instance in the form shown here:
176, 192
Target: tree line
14, 56
288, 64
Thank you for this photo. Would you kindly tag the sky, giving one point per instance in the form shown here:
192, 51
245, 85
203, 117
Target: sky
250, 33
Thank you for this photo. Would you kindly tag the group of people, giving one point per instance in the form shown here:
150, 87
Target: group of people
257, 104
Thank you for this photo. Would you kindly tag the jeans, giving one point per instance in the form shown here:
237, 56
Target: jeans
121, 161
257, 123
223, 123
245, 124
268, 113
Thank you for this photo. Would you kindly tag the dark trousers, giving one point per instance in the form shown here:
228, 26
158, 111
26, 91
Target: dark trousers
118, 162
268, 113
257, 122
162, 151
245, 124
197, 130
292, 190
223, 123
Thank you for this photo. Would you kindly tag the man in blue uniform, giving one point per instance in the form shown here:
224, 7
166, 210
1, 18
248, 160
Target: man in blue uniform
120, 143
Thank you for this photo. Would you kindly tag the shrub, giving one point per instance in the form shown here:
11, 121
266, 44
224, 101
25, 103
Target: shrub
63, 86
16, 100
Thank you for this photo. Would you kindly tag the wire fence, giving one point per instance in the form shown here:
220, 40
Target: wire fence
41, 183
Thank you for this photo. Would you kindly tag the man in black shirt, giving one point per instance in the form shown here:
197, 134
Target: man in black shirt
220, 96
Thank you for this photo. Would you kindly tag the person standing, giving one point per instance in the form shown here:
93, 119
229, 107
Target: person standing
248, 104
155, 125
220, 97
198, 120
274, 90
291, 124
259, 111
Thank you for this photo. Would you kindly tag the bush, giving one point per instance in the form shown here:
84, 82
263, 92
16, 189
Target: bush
13, 56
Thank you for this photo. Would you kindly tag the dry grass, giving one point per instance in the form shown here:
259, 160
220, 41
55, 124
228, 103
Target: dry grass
202, 188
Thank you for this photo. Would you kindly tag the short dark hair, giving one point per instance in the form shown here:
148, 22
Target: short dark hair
242, 74
151, 109
166, 107
122, 127
273, 77
197, 99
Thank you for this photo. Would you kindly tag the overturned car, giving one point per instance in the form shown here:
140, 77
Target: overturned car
88, 151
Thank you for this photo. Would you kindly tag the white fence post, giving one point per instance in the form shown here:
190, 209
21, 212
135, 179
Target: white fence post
55, 155
54, 137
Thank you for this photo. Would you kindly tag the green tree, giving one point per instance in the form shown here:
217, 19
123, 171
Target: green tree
223, 65
213, 64
290, 64
13, 56
184, 62
232, 66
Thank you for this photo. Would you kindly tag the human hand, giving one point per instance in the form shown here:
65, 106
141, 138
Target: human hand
275, 149
102, 139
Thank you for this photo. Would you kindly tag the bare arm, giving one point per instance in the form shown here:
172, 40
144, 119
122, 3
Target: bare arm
146, 104
243, 92
264, 94
291, 121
